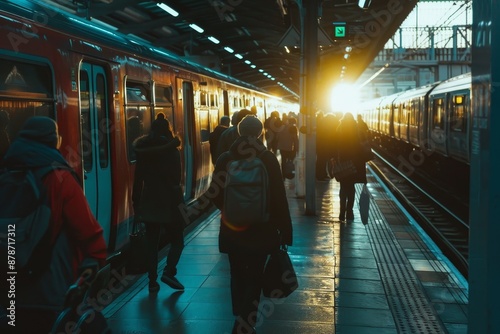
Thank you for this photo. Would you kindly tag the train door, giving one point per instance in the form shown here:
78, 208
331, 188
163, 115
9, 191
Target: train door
189, 139
226, 102
94, 118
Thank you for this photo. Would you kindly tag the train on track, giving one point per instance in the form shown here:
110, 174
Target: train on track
104, 89
429, 123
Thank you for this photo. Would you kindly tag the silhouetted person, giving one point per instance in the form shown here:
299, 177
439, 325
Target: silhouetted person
349, 148
249, 248
158, 197
213, 139
75, 234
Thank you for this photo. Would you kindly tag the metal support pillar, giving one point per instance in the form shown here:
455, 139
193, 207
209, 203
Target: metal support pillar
484, 234
309, 49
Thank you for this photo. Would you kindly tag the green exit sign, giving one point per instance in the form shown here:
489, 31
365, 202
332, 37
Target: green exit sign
339, 29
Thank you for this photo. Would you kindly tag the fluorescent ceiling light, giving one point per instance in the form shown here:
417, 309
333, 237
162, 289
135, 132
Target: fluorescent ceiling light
238, 56
364, 3
213, 40
168, 9
196, 28
253, 66
248, 62
228, 49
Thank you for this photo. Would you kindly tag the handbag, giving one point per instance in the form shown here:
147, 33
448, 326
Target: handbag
138, 251
343, 169
280, 279
364, 204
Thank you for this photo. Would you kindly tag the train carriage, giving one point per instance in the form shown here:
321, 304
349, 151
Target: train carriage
104, 90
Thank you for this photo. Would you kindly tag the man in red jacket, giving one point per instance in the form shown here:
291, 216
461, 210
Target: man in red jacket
76, 235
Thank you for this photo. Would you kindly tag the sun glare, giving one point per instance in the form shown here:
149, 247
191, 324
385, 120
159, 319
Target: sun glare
344, 98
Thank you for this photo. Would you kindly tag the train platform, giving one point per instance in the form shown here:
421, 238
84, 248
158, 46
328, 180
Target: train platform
385, 277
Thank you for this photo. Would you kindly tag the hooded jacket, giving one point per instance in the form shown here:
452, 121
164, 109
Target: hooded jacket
157, 194
76, 234
259, 238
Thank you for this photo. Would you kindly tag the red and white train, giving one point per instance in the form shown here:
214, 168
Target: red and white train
104, 90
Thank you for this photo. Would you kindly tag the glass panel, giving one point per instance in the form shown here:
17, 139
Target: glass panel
103, 120
20, 77
20, 111
204, 130
457, 118
203, 99
137, 113
85, 121
26, 90
437, 114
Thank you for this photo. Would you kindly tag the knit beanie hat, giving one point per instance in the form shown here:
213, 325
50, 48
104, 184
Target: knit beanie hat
41, 129
250, 126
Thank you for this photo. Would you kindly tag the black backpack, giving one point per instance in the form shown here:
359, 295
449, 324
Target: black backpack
25, 222
246, 194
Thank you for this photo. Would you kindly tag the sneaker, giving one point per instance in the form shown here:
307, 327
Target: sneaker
154, 287
172, 282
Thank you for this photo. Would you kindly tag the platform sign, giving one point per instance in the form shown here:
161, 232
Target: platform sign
339, 29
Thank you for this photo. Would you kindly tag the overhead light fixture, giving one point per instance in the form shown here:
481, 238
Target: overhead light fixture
253, 66
364, 3
248, 62
196, 28
169, 10
238, 56
213, 40
228, 49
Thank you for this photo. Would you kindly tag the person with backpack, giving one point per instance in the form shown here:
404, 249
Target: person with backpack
248, 188
158, 197
67, 236
213, 138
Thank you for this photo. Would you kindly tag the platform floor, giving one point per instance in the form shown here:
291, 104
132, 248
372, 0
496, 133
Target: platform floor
382, 278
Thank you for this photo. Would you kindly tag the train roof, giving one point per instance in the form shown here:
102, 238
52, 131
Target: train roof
456, 83
415, 92
54, 18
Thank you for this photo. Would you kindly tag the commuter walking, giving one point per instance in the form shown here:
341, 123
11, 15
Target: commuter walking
272, 126
158, 198
228, 137
248, 247
349, 148
74, 234
288, 142
214, 136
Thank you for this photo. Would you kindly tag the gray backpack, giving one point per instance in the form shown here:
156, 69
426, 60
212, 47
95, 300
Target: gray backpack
246, 194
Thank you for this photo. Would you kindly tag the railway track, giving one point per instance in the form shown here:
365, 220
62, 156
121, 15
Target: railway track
443, 217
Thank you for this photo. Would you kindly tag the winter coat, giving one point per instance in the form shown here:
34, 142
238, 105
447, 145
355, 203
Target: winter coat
75, 233
259, 238
157, 193
226, 139
213, 139
348, 147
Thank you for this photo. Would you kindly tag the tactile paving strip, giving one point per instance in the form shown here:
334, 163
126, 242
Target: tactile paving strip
412, 311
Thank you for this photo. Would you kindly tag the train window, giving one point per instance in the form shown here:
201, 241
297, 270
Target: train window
26, 90
85, 121
213, 100
204, 129
137, 113
235, 102
203, 99
457, 115
103, 120
438, 114
163, 102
